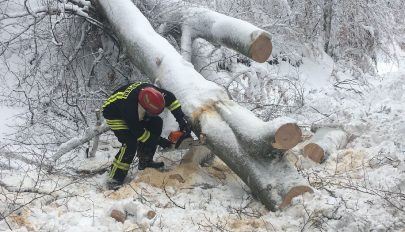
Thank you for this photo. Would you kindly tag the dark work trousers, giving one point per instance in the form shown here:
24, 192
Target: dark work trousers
126, 154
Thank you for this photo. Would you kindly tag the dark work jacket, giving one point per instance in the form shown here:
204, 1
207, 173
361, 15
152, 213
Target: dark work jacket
123, 105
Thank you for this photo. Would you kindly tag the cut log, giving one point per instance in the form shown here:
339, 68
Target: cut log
221, 29
272, 178
256, 136
324, 142
244, 142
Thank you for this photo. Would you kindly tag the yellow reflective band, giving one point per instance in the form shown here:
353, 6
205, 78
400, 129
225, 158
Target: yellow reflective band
145, 136
174, 105
121, 95
122, 166
119, 128
117, 124
123, 148
113, 98
114, 167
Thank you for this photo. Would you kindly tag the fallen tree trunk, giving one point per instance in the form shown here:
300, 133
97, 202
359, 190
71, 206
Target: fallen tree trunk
324, 142
230, 32
237, 136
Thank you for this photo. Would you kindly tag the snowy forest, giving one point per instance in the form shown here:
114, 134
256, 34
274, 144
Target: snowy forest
299, 108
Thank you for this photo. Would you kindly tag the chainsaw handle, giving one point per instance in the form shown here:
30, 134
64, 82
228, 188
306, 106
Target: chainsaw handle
182, 137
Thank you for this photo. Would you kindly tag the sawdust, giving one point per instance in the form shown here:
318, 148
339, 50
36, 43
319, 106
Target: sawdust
247, 224
208, 108
349, 162
219, 170
21, 220
180, 176
156, 178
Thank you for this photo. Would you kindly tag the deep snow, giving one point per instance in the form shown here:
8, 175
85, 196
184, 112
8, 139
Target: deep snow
360, 188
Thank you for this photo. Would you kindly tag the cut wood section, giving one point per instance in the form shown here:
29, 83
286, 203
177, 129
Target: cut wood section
295, 191
261, 48
324, 142
221, 29
314, 152
258, 137
287, 136
268, 176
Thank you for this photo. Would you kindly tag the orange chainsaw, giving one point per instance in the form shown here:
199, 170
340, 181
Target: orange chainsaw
183, 140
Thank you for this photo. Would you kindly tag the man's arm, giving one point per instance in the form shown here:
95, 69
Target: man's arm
129, 112
175, 108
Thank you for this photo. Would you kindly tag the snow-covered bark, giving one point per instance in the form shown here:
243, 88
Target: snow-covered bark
325, 141
88, 135
220, 29
327, 24
240, 139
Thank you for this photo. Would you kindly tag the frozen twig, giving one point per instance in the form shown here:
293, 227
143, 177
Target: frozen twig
164, 188
97, 137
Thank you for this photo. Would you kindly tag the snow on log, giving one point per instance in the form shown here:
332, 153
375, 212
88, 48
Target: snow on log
221, 29
324, 142
258, 136
272, 178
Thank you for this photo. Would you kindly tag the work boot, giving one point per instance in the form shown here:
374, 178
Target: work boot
145, 155
113, 184
150, 164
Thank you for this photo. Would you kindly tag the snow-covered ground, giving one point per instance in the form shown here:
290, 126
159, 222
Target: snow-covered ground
360, 188
7, 120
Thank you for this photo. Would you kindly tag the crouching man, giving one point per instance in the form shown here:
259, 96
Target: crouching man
132, 114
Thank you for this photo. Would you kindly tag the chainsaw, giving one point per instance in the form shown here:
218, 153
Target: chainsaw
182, 140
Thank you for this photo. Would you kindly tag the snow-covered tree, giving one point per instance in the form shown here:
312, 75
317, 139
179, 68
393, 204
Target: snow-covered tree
64, 60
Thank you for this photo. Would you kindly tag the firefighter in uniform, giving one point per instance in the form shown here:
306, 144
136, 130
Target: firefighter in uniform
132, 114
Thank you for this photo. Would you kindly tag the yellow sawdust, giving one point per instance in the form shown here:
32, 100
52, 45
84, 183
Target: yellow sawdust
349, 161
180, 177
246, 224
21, 220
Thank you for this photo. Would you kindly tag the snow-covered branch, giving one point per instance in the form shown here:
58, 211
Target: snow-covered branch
88, 135
230, 32
51, 10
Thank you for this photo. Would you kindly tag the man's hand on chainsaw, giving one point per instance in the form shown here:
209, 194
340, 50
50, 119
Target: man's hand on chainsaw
184, 125
164, 143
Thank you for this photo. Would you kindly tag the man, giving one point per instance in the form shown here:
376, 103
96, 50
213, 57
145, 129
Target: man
132, 114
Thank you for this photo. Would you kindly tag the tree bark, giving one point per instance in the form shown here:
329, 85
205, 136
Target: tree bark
241, 140
324, 142
230, 32
97, 138
327, 25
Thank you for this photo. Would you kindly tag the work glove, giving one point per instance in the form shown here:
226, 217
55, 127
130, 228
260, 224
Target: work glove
164, 143
184, 125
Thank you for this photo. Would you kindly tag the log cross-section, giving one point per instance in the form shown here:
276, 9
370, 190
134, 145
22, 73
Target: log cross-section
325, 141
237, 136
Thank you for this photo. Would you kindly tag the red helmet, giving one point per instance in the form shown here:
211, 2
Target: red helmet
151, 100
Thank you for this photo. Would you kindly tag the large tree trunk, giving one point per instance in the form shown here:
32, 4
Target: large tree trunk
241, 140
